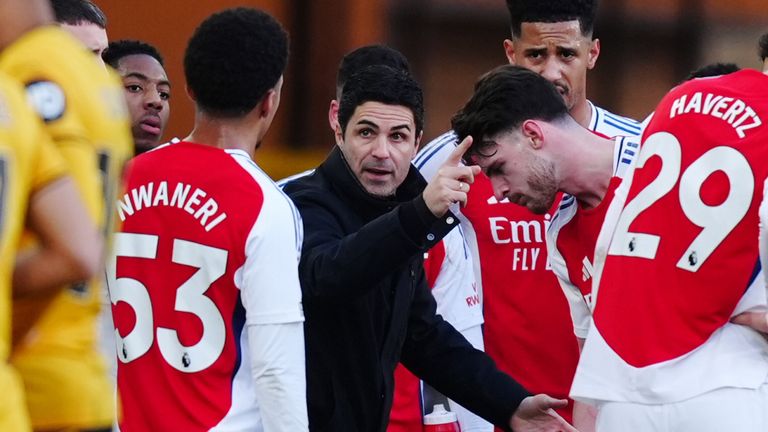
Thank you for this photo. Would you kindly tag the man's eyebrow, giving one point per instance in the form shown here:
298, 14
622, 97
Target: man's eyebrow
369, 123
143, 77
540, 50
403, 126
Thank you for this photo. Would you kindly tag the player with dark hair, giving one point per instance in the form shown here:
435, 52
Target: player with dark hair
677, 258
85, 21
713, 69
368, 218
763, 51
82, 108
147, 89
523, 302
206, 234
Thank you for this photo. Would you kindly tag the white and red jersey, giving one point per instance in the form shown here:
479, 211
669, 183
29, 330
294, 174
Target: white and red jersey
528, 329
450, 275
572, 235
209, 247
678, 253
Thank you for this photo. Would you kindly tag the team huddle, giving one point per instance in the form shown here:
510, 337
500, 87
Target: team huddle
545, 265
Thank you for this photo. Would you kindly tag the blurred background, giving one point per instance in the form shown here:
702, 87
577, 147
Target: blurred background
647, 47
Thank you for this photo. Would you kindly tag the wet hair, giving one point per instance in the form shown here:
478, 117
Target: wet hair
552, 11
233, 59
122, 48
368, 55
504, 98
382, 84
713, 69
74, 12
763, 47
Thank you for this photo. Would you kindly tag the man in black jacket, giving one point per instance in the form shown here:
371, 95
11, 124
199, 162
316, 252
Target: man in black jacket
368, 217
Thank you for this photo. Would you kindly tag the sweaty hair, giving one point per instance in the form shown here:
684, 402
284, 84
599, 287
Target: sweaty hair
713, 69
74, 12
504, 98
763, 47
369, 55
122, 48
552, 11
382, 84
233, 59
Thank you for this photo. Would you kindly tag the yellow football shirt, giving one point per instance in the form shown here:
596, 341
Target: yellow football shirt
83, 107
28, 161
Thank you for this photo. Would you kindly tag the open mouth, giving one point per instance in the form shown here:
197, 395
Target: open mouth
376, 173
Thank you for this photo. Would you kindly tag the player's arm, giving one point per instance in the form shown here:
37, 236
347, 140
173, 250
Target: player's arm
271, 296
70, 245
758, 320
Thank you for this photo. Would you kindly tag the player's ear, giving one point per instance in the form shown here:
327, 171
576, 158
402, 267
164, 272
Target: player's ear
509, 50
594, 53
333, 114
533, 131
269, 103
190, 93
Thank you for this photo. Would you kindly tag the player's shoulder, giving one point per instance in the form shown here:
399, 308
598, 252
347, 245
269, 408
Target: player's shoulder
436, 151
626, 152
564, 213
611, 125
272, 193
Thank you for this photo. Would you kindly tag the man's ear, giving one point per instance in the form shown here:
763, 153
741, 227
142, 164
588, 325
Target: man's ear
509, 50
190, 93
333, 114
594, 53
533, 131
269, 103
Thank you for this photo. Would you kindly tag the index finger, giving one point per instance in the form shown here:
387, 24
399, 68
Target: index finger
455, 158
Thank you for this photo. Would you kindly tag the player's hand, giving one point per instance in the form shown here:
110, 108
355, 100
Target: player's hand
757, 320
537, 414
451, 184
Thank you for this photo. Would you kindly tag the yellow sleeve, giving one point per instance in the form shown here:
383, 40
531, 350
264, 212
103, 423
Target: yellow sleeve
49, 166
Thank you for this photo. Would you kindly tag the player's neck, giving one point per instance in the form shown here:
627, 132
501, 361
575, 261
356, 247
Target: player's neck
590, 168
226, 133
582, 113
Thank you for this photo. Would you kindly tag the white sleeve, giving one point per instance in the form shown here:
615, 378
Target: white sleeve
455, 289
269, 279
468, 421
763, 233
580, 312
278, 371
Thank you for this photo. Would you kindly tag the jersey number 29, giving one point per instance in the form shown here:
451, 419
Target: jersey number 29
716, 221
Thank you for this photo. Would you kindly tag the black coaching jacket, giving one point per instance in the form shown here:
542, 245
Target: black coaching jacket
367, 305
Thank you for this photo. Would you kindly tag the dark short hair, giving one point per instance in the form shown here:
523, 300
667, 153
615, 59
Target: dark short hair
74, 12
382, 84
233, 59
713, 69
763, 47
369, 55
504, 98
552, 11
118, 49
